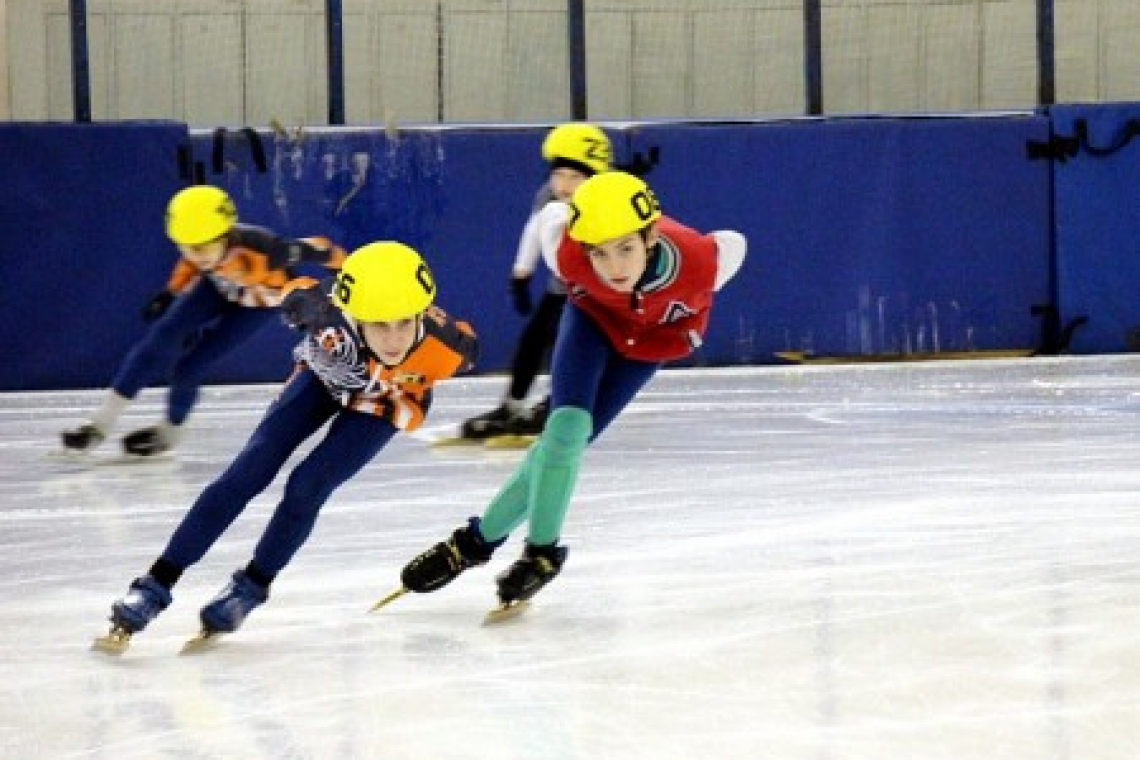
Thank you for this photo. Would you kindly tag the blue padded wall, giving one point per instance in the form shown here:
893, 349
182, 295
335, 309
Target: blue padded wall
1098, 227
83, 245
866, 235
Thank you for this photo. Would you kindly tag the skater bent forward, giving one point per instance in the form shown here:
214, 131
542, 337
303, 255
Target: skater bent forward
374, 347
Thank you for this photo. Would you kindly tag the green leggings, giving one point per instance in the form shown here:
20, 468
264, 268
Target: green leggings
540, 489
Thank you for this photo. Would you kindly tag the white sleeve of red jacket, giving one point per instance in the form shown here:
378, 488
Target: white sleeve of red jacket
552, 220
730, 247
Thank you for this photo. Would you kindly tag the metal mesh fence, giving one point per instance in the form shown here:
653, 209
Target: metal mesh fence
246, 62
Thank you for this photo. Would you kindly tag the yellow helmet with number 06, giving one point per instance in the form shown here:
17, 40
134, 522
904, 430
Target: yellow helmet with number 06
199, 214
384, 282
579, 143
609, 206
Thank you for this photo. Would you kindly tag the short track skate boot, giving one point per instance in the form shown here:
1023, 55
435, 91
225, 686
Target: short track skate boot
491, 424
226, 612
538, 566
83, 438
529, 423
443, 563
148, 442
144, 600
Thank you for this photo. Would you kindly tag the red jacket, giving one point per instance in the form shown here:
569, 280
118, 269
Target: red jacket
666, 315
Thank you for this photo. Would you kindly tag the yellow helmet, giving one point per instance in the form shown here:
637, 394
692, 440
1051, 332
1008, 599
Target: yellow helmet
579, 143
383, 282
610, 205
199, 214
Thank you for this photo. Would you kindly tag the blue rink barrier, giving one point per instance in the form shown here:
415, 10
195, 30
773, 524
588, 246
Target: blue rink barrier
1098, 225
83, 245
867, 235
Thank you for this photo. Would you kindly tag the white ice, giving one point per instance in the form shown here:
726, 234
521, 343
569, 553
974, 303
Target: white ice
894, 562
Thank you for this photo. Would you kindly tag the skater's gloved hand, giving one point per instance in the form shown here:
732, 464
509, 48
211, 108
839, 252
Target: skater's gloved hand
157, 306
308, 310
520, 294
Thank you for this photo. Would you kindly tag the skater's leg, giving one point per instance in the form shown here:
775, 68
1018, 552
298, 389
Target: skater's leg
352, 441
588, 374
176, 331
236, 326
534, 344
303, 407
148, 361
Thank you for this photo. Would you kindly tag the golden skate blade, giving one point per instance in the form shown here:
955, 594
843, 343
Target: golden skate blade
115, 642
204, 641
389, 599
451, 442
510, 442
505, 612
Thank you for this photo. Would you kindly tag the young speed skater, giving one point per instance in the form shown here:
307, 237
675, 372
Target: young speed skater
224, 288
373, 348
574, 152
641, 286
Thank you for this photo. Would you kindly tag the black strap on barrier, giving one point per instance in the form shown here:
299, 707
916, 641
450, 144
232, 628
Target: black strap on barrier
1061, 148
640, 165
256, 150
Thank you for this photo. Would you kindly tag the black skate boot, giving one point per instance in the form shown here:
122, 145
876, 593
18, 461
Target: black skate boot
531, 422
493, 423
83, 438
538, 566
443, 563
148, 442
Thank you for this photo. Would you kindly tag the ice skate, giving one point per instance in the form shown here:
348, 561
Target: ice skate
82, 439
537, 567
493, 423
145, 599
441, 564
149, 442
521, 430
229, 609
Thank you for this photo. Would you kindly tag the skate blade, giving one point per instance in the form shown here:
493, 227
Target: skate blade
203, 642
510, 442
389, 599
506, 611
125, 458
452, 442
115, 642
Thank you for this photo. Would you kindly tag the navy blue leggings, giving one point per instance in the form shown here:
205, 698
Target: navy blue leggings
588, 373
352, 440
198, 329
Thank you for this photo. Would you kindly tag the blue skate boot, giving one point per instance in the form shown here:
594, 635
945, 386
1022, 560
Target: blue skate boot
226, 612
145, 598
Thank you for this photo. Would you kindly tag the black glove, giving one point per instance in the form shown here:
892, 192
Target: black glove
308, 310
157, 306
520, 295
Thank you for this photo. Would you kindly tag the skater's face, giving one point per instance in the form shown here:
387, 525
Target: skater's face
391, 341
205, 256
621, 262
564, 181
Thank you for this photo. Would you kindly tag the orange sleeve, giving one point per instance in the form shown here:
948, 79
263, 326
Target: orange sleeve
336, 254
183, 276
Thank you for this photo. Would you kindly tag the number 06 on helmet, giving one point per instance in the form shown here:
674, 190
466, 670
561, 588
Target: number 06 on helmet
384, 282
609, 206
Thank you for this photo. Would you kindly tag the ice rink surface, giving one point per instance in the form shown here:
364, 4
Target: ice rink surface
927, 561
